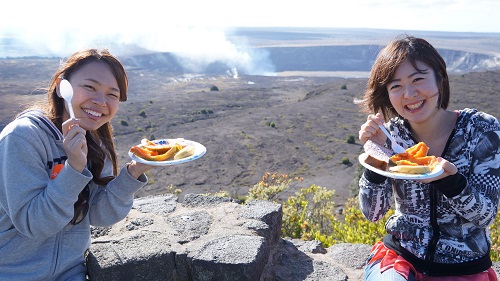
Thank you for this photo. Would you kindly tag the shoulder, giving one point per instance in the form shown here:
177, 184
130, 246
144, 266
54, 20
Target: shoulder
29, 126
33, 120
20, 126
474, 120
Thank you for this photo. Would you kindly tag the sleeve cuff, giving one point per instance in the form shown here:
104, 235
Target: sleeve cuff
451, 186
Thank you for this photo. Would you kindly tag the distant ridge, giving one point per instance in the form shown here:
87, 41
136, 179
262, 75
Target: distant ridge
270, 51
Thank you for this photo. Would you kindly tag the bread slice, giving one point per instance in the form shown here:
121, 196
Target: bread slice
378, 155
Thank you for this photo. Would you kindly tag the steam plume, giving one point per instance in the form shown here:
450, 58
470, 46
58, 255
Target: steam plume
194, 47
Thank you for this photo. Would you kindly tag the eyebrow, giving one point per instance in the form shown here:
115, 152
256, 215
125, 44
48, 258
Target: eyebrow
423, 71
97, 82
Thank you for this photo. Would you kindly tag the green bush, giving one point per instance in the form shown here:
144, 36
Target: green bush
355, 228
351, 139
495, 238
124, 123
345, 161
270, 187
310, 215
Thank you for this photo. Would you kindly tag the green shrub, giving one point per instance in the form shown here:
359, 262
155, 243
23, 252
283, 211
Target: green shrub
351, 139
270, 187
345, 161
310, 215
220, 193
124, 123
214, 88
495, 238
142, 113
355, 228
343, 87
172, 190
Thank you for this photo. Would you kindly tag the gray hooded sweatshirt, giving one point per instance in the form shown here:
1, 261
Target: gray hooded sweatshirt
36, 240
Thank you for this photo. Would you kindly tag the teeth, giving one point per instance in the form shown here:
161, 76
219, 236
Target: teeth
415, 106
93, 113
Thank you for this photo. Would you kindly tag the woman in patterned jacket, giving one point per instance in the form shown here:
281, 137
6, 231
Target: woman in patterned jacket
440, 227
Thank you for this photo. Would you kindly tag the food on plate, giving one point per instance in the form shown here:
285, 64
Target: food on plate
378, 156
152, 151
409, 169
185, 152
414, 161
152, 146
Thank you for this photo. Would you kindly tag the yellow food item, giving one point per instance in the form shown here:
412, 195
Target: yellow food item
185, 152
410, 169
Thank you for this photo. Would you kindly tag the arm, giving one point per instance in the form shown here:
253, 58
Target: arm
375, 191
37, 206
375, 195
474, 195
113, 202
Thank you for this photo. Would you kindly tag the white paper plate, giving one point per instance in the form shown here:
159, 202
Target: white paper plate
438, 170
199, 151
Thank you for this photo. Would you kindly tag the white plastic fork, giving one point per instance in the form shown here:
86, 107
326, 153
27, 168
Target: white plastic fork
395, 146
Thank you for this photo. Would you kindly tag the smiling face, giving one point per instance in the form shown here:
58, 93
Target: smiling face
96, 95
414, 92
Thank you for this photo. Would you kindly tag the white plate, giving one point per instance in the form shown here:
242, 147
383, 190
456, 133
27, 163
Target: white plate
438, 170
199, 150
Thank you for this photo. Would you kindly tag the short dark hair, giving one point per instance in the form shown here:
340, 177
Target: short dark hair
398, 51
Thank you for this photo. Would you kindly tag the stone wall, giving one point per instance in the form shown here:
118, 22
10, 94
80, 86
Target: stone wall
213, 238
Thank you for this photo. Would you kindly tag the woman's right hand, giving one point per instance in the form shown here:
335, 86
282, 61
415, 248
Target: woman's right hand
75, 144
370, 130
135, 169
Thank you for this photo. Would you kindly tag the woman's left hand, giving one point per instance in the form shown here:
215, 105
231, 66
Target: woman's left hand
448, 167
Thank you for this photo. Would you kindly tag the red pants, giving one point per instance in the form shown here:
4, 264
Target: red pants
390, 259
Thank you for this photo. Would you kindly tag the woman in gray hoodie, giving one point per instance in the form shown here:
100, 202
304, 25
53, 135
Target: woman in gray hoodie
59, 175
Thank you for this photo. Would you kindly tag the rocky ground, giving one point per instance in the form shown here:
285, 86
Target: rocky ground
297, 125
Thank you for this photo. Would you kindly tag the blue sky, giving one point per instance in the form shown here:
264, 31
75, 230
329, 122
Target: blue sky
434, 15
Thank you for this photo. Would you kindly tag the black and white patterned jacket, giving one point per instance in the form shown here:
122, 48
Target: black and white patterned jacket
442, 227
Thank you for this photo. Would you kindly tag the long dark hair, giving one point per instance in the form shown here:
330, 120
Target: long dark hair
100, 142
398, 51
